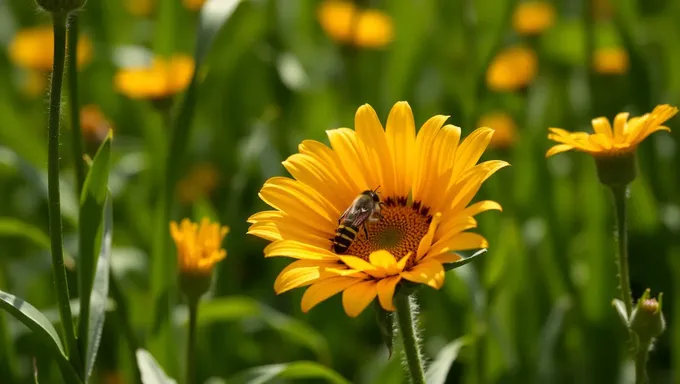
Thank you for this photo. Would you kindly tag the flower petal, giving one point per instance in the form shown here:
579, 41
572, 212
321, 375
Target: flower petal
298, 250
558, 149
429, 272
362, 265
601, 125
330, 160
378, 169
620, 124
401, 139
324, 289
386, 291
345, 144
297, 199
357, 297
481, 206
301, 273
462, 242
423, 169
470, 150
426, 241
383, 259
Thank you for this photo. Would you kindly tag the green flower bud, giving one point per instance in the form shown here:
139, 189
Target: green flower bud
616, 171
61, 6
647, 320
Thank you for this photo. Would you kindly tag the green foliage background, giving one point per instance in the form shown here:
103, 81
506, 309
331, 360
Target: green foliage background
535, 308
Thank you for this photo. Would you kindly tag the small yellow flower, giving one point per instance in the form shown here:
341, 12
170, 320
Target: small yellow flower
533, 17
199, 247
607, 142
94, 125
163, 79
505, 134
610, 61
427, 182
193, 5
200, 182
33, 48
33, 83
347, 24
140, 8
512, 69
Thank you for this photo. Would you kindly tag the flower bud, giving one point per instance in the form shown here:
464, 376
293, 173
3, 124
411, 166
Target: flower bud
647, 320
616, 171
61, 6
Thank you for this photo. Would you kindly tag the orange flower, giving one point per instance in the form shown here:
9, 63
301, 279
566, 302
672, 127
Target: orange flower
141, 8
199, 247
610, 61
33, 48
93, 124
346, 24
511, 69
200, 182
533, 17
505, 130
164, 78
193, 5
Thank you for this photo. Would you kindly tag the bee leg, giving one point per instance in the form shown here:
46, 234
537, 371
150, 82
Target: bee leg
365, 231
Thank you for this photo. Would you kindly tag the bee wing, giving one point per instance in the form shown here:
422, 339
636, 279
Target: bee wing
345, 214
360, 216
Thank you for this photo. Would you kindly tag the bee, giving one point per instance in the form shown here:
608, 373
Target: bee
364, 209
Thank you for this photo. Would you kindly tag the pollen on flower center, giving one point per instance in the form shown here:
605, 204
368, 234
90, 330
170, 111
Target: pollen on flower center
399, 231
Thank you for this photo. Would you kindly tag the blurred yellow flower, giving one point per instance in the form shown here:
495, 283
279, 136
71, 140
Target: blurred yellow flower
610, 61
200, 182
33, 48
141, 8
505, 130
347, 24
607, 142
512, 68
94, 125
427, 181
164, 78
533, 17
199, 247
193, 5
34, 83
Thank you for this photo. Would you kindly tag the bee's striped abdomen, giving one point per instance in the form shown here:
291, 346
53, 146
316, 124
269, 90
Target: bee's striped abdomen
344, 236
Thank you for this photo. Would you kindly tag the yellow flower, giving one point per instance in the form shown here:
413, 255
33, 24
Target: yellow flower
426, 182
200, 182
34, 83
193, 5
199, 248
140, 8
512, 69
33, 48
94, 125
346, 24
164, 78
607, 142
610, 61
504, 126
533, 17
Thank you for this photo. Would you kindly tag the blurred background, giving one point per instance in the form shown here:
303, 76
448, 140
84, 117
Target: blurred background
536, 308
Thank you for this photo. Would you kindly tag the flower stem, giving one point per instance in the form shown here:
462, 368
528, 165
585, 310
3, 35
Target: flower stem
641, 363
407, 328
191, 342
619, 193
56, 236
76, 135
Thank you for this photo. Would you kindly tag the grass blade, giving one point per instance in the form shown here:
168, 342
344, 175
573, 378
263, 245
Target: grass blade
151, 372
439, 368
293, 371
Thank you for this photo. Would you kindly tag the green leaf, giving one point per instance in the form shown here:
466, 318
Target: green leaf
385, 322
439, 368
92, 242
550, 336
100, 291
17, 228
465, 259
149, 369
213, 16
292, 371
241, 307
42, 328
621, 311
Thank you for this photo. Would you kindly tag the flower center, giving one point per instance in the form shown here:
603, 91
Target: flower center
399, 231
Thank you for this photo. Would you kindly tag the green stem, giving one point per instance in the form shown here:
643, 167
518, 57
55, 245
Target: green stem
56, 236
191, 342
407, 328
76, 134
619, 193
641, 363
